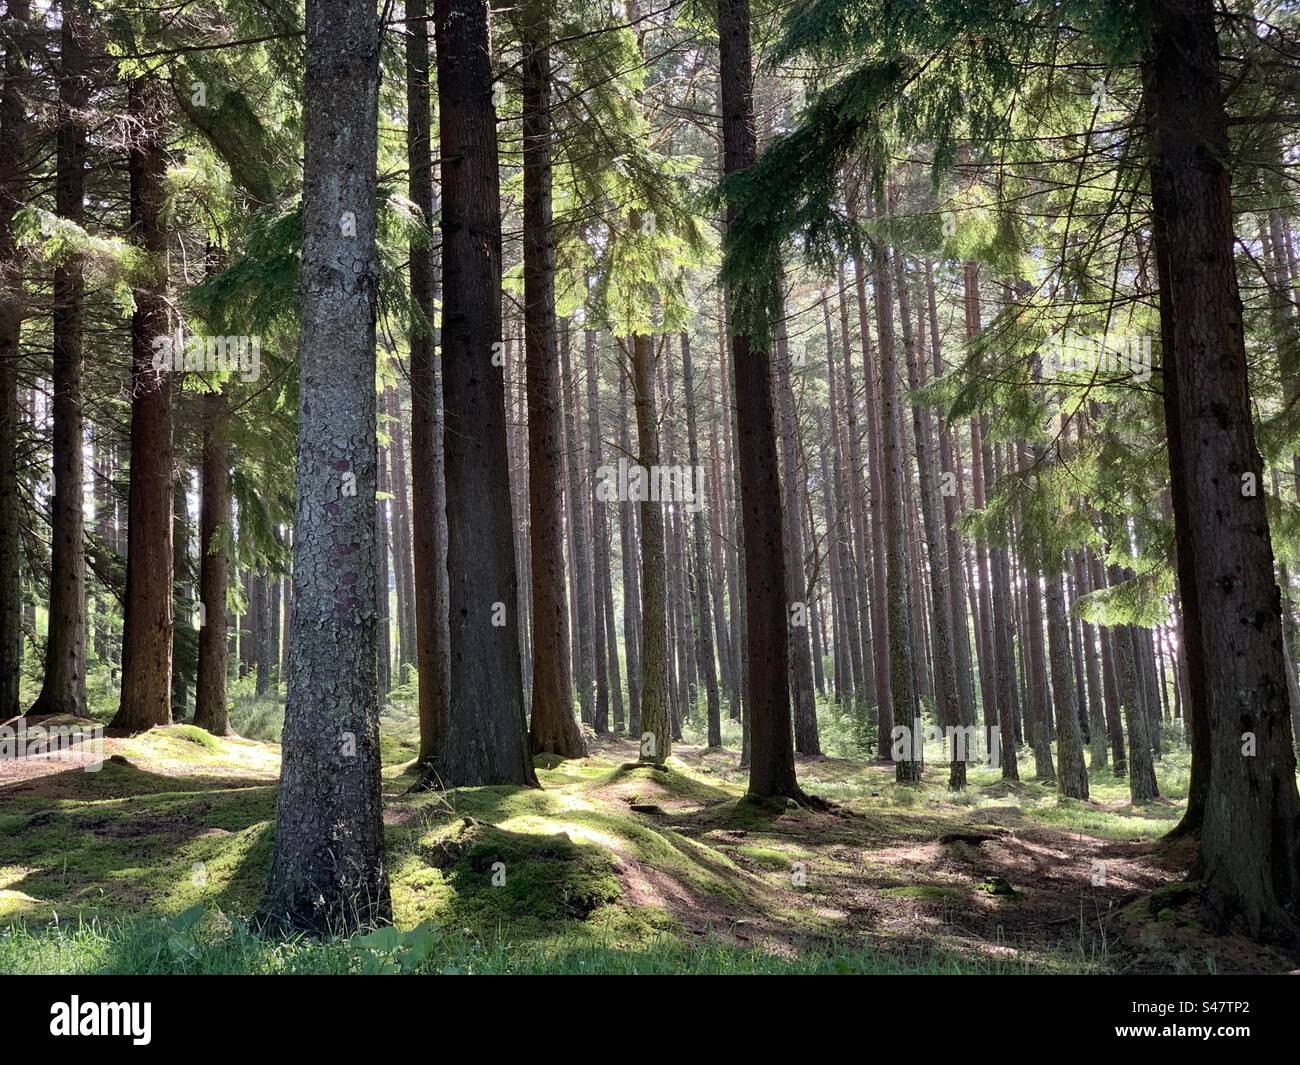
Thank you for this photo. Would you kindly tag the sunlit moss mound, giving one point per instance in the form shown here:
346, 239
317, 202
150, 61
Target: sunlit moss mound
508, 878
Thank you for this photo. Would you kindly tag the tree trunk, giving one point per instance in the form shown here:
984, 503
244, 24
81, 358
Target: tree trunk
600, 536
1249, 864
328, 872
1071, 769
64, 688
702, 582
428, 496
656, 723
13, 175
553, 728
486, 741
210, 704
904, 709
147, 620
767, 685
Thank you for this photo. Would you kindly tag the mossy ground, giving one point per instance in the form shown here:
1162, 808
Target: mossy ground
571, 877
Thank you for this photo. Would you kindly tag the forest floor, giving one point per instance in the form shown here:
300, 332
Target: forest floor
611, 868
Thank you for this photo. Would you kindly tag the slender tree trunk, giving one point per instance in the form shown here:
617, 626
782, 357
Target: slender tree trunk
64, 688
655, 718
1071, 769
905, 709
600, 536
147, 623
702, 582
553, 728
631, 578
806, 737
428, 495
13, 175
328, 872
582, 562
210, 704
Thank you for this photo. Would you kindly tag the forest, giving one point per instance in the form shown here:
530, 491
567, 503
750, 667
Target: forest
649, 487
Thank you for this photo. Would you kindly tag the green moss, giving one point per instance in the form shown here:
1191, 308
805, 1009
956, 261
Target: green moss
926, 893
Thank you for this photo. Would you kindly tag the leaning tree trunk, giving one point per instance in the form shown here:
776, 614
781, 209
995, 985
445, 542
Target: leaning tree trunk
1249, 864
553, 728
487, 738
210, 709
767, 684
147, 622
328, 872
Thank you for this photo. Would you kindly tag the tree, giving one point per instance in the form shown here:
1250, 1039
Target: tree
147, 625
64, 687
328, 871
767, 687
485, 741
1249, 862
14, 130
553, 729
210, 706
428, 495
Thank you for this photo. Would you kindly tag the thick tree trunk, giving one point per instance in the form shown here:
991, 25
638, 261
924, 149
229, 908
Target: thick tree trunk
486, 742
1249, 864
328, 872
64, 687
553, 728
147, 622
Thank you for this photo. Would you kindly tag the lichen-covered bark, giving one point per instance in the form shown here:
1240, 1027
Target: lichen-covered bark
328, 873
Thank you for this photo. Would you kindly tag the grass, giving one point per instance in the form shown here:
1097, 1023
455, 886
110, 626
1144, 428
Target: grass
106, 872
221, 946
